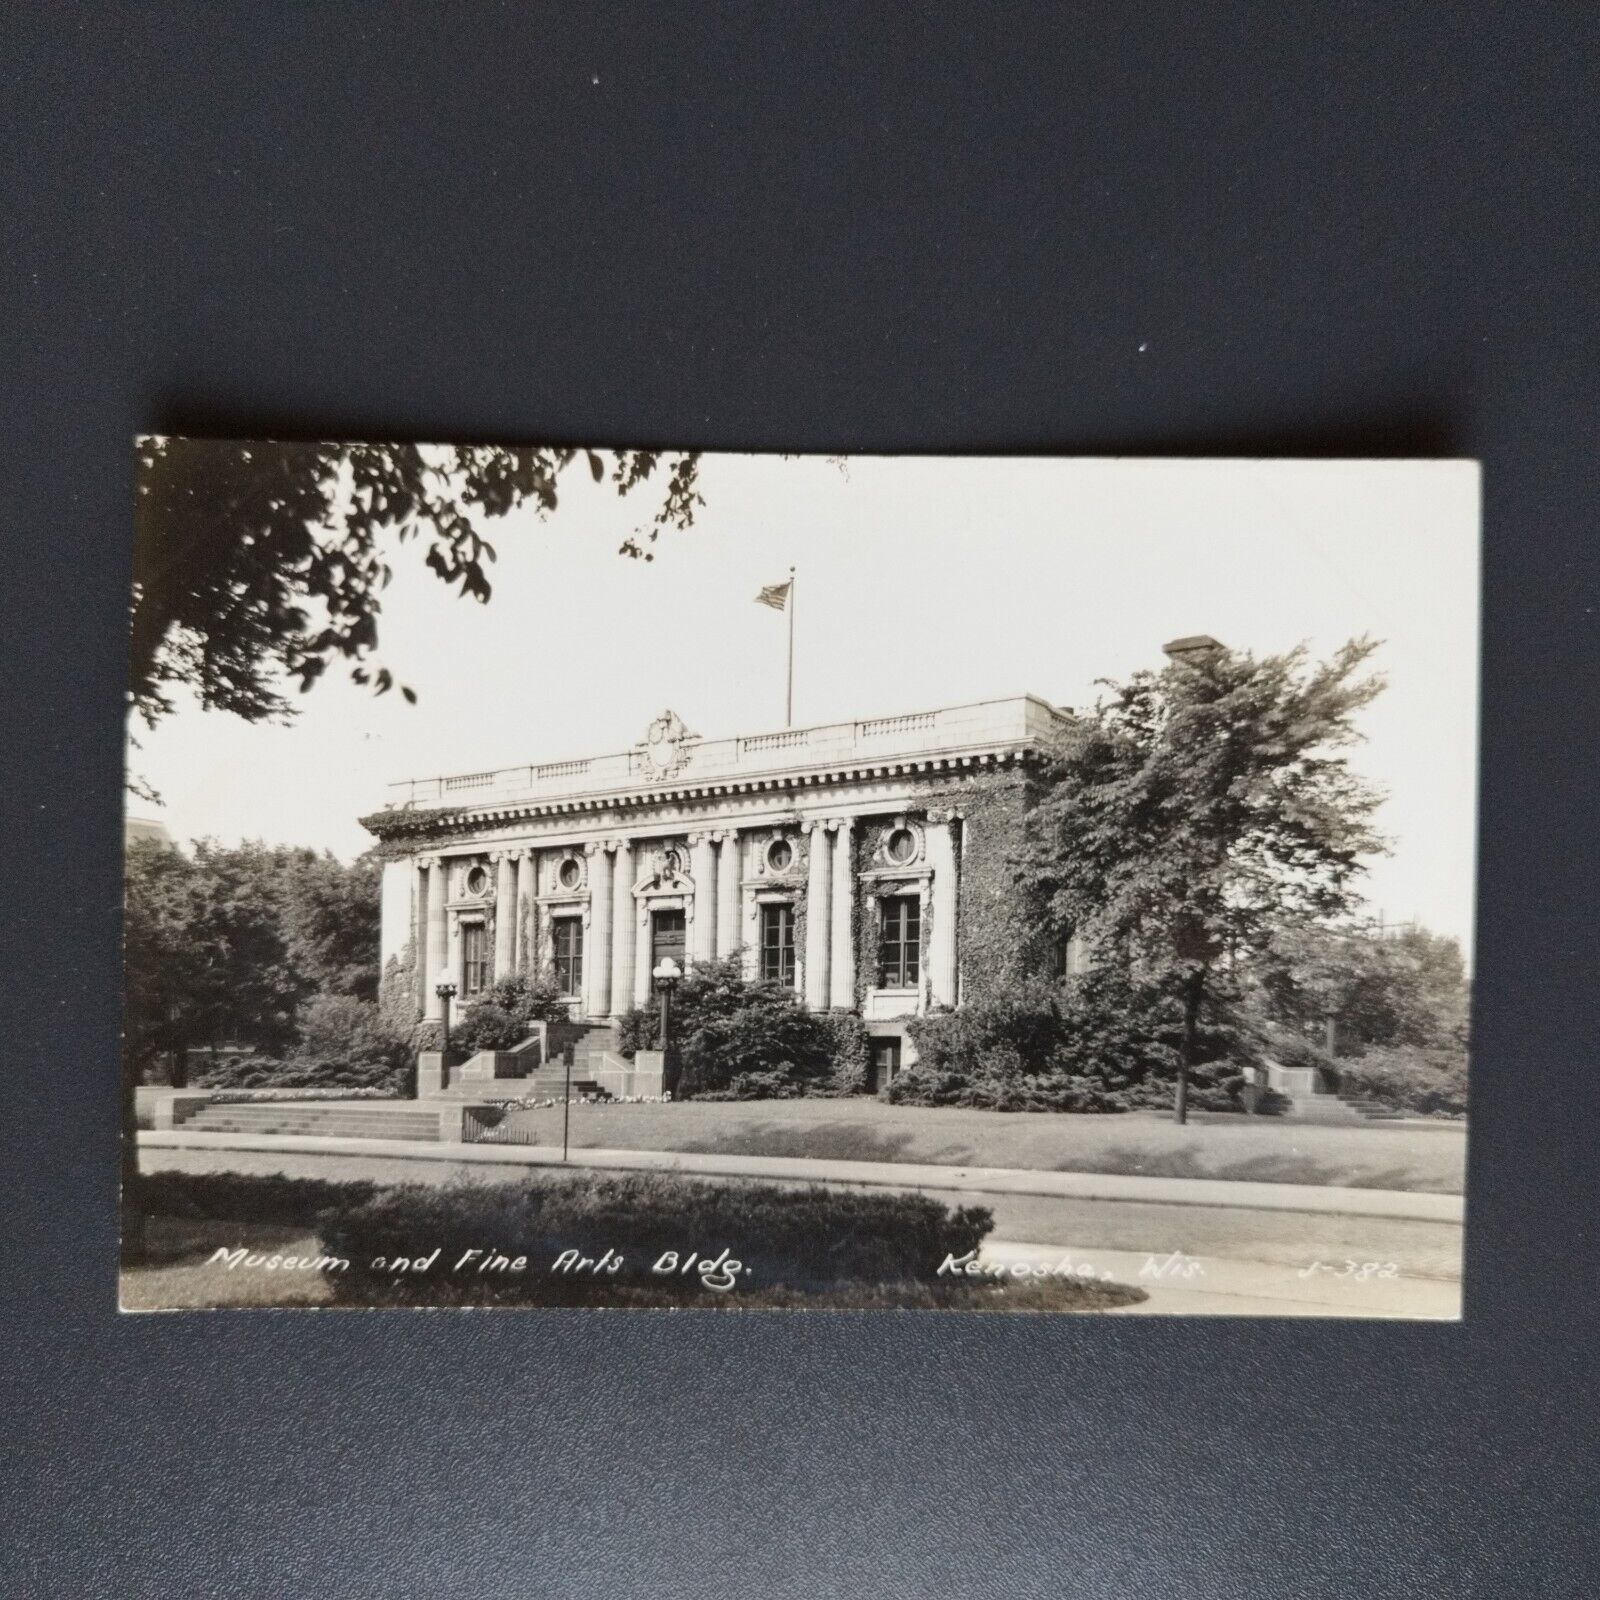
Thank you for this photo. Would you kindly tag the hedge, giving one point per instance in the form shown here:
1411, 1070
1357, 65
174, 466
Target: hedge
241, 1197
801, 1239
267, 1072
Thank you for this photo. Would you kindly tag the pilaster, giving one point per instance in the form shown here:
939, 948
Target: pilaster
942, 965
597, 958
505, 913
436, 963
729, 868
842, 973
819, 919
622, 930
703, 925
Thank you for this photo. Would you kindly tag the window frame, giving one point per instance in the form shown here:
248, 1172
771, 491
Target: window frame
777, 953
900, 941
567, 964
475, 937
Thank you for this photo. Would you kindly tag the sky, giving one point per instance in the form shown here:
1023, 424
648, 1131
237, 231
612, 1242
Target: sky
921, 581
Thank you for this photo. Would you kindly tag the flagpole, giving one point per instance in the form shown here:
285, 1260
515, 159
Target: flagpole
788, 698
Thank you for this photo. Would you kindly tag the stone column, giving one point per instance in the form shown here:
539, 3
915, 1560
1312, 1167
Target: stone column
419, 931
942, 936
729, 870
505, 914
438, 952
819, 921
643, 985
622, 930
703, 865
597, 955
527, 935
842, 976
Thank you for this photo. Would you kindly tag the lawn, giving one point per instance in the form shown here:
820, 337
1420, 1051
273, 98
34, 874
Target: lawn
177, 1276
1261, 1149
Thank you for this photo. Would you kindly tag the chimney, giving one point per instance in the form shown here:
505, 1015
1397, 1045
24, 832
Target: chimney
1194, 651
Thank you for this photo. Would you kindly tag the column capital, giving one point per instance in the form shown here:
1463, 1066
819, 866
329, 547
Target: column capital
700, 837
428, 863
842, 824
815, 825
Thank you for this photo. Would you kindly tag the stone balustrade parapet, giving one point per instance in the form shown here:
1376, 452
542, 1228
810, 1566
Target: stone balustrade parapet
985, 725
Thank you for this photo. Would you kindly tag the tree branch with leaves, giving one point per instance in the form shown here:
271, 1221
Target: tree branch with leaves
257, 566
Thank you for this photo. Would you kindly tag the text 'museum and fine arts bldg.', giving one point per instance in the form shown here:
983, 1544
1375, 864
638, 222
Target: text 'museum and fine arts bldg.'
863, 864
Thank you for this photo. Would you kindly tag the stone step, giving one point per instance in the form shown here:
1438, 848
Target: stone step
314, 1124
330, 1121
321, 1131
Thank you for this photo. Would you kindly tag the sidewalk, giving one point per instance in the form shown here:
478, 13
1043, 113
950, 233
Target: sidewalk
1394, 1203
1218, 1286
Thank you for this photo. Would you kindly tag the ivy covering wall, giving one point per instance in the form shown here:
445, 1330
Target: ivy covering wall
399, 1000
1002, 935
1001, 939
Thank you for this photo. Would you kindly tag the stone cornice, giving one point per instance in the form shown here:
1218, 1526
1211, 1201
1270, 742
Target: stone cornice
410, 822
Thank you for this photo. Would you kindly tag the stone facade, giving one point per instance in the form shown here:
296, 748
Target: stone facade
864, 863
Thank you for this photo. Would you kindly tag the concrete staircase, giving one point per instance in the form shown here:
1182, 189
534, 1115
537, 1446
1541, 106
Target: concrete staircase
1302, 1094
589, 1042
348, 1119
1333, 1110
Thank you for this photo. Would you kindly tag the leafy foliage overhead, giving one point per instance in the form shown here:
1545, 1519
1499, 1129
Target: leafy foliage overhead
256, 564
1201, 807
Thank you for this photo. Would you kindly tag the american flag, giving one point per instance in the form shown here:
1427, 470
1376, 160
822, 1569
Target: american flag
775, 595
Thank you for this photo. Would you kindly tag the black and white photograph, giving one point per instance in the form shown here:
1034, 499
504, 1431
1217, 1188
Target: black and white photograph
594, 878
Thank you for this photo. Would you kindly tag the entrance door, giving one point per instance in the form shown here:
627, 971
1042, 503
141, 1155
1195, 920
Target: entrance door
667, 938
884, 1065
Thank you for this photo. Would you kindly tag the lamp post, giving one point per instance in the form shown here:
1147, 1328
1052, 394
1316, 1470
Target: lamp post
446, 992
667, 974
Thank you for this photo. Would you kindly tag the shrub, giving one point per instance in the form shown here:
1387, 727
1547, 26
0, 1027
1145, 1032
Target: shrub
505, 1014
806, 1239
850, 1047
263, 1072
487, 1026
1099, 1044
1426, 1082
336, 1027
638, 1029
739, 1040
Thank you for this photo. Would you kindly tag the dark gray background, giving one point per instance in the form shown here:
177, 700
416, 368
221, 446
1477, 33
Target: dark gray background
1336, 229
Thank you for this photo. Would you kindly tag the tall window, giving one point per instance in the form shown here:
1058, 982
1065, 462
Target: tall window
777, 945
474, 958
1074, 956
900, 947
566, 935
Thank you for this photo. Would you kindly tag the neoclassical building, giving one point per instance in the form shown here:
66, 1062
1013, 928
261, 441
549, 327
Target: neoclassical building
864, 864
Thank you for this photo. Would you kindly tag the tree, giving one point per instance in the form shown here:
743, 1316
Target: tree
328, 913
206, 960
1402, 988
1198, 809
258, 565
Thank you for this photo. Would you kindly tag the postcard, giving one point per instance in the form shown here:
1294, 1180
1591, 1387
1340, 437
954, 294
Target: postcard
609, 878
